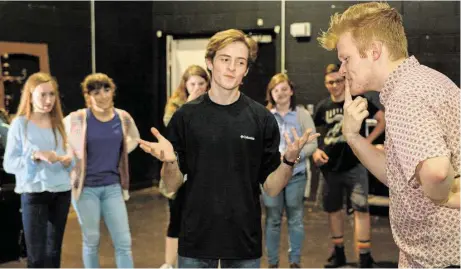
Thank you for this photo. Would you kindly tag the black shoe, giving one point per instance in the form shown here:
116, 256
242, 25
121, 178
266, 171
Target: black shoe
337, 259
366, 261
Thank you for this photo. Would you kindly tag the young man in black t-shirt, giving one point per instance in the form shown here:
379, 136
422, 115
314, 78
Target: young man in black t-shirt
227, 144
342, 171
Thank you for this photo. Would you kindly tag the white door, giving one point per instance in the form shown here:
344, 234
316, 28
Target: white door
183, 53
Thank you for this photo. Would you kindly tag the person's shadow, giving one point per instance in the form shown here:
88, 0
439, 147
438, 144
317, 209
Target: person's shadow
380, 264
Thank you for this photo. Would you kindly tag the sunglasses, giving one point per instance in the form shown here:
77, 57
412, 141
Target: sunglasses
332, 82
96, 85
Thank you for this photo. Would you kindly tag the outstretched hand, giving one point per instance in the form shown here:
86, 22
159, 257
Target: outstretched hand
294, 147
162, 150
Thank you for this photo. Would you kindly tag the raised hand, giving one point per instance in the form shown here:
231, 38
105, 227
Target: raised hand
162, 150
196, 93
294, 147
355, 111
320, 157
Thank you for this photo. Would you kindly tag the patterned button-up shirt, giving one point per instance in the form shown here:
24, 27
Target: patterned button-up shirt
422, 121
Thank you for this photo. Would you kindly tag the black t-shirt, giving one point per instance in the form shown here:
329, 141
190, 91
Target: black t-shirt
329, 114
227, 151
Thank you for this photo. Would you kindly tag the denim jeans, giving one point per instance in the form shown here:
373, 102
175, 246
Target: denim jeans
105, 201
291, 199
44, 217
186, 262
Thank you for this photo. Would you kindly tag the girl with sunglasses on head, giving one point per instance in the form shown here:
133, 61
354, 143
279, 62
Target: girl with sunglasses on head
102, 136
38, 155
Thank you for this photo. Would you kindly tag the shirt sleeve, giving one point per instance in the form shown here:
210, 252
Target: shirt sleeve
319, 121
416, 134
308, 148
132, 134
319, 115
271, 154
175, 133
18, 159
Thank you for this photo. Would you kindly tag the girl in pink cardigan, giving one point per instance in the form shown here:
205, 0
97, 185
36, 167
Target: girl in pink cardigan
101, 137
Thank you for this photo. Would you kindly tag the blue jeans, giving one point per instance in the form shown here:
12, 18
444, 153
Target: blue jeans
291, 199
186, 262
44, 217
105, 201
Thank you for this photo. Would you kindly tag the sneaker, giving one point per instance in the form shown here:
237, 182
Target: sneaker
337, 259
295, 265
274, 265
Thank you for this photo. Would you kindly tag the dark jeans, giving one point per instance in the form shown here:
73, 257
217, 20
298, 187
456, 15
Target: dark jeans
44, 217
185, 262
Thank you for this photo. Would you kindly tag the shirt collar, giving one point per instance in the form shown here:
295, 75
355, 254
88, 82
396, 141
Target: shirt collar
395, 77
274, 111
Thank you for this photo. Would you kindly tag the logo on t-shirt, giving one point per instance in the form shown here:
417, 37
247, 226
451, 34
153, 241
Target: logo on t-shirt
334, 118
247, 137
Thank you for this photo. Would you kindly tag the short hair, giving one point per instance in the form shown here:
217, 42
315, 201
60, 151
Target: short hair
95, 81
276, 80
367, 22
224, 38
332, 68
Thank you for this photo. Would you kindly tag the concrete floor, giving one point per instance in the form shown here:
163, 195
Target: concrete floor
148, 215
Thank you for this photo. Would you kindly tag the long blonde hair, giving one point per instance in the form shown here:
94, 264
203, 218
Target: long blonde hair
25, 105
181, 92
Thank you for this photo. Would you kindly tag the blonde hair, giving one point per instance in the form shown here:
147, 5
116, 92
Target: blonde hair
56, 116
224, 38
276, 80
367, 22
181, 92
95, 79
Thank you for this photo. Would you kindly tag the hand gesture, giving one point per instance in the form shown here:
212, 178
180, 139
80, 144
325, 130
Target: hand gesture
162, 150
294, 147
320, 157
196, 93
355, 111
46, 156
66, 160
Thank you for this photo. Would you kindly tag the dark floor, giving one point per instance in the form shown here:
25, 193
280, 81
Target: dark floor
148, 219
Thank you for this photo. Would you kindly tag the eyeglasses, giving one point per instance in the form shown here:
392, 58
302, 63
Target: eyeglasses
332, 82
96, 85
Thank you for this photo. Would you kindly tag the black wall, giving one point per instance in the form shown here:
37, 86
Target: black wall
124, 46
305, 61
128, 50
124, 51
65, 27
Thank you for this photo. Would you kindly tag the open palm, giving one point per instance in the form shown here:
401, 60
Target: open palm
162, 150
294, 147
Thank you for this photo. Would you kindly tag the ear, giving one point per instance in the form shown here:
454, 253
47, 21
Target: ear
209, 64
376, 50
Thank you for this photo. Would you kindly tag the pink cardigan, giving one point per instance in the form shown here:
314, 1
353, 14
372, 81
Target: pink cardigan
75, 125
